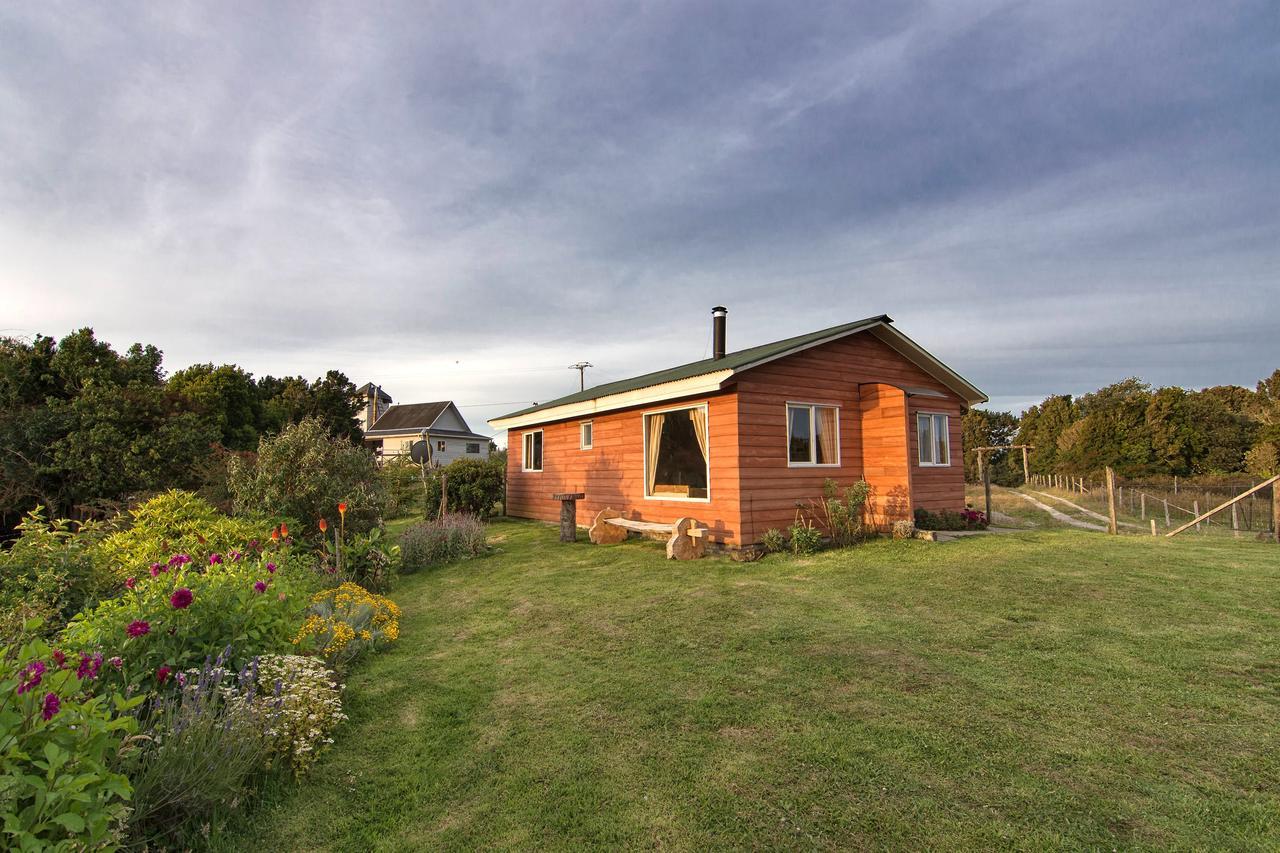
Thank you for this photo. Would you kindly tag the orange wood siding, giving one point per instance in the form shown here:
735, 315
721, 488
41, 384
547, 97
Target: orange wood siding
885, 460
611, 473
937, 487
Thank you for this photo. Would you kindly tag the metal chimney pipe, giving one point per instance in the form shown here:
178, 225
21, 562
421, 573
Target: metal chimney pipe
718, 315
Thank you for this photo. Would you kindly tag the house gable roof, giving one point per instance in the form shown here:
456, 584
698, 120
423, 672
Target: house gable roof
408, 417
368, 387
709, 374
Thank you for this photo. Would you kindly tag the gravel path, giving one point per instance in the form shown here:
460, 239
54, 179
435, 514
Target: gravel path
1059, 516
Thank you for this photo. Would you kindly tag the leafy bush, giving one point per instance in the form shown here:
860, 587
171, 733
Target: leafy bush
305, 702
57, 788
203, 743
475, 487
773, 541
950, 519
843, 513
48, 574
176, 522
185, 613
371, 561
304, 473
346, 621
454, 537
402, 483
805, 538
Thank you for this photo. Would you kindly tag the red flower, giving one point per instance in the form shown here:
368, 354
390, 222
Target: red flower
138, 628
324, 525
181, 598
284, 531
275, 534
162, 674
130, 583
59, 658
342, 508
51, 706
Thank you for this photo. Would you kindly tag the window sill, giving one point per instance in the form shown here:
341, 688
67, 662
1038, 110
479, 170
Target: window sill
934, 464
673, 499
813, 465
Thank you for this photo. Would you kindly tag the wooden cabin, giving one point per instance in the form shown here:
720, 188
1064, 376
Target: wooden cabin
740, 440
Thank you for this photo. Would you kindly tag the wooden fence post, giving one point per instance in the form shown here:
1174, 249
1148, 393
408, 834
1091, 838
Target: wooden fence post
1235, 521
1166, 513
1175, 484
1120, 495
1112, 526
1143, 495
1275, 512
1195, 507
444, 493
986, 489
1026, 469
1153, 527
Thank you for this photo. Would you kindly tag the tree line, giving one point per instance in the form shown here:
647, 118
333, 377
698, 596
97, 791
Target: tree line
84, 428
1140, 431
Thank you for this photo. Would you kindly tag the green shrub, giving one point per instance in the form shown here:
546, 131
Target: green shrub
454, 537
304, 473
203, 742
344, 622
773, 541
57, 787
49, 574
842, 512
950, 519
176, 522
475, 487
371, 560
805, 538
402, 483
305, 701
186, 613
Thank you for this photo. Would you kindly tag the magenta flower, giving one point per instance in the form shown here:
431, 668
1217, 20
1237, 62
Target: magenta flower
235, 556
178, 560
181, 598
89, 667
162, 674
138, 628
181, 679
31, 677
215, 559
130, 583
59, 658
260, 586
51, 706
116, 661
271, 567
157, 568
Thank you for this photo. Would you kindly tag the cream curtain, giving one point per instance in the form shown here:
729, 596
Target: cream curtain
653, 439
699, 419
828, 437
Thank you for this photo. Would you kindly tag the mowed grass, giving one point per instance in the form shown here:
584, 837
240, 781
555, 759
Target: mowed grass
1050, 689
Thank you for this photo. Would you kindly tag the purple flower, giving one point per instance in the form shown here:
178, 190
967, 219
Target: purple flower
138, 628
181, 598
181, 678
59, 658
89, 666
260, 586
215, 559
157, 568
178, 560
51, 706
235, 556
162, 674
116, 661
155, 571
31, 677
271, 567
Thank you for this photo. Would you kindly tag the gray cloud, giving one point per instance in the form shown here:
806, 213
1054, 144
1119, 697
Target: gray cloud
457, 200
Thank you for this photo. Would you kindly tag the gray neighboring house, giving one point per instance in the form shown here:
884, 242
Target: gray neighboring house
396, 427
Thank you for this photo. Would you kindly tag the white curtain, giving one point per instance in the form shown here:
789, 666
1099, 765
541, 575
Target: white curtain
699, 419
828, 439
653, 440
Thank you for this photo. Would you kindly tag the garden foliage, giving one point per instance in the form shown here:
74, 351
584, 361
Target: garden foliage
48, 574
454, 537
343, 622
301, 701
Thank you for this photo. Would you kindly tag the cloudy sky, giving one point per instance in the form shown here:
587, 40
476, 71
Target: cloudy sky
458, 200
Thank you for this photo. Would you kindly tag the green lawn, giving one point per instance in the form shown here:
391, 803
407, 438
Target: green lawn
1056, 688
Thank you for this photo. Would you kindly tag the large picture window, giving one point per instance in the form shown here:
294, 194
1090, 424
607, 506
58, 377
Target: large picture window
676, 455
813, 435
532, 458
934, 438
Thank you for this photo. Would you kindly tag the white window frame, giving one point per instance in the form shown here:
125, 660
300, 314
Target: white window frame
475, 444
442, 446
583, 443
813, 435
644, 438
526, 443
933, 430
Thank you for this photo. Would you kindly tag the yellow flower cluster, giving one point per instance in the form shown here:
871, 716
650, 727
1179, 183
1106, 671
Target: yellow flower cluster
345, 621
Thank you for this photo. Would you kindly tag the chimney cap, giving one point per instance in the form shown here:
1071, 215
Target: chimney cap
719, 309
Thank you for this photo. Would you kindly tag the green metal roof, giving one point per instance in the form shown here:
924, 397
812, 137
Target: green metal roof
731, 361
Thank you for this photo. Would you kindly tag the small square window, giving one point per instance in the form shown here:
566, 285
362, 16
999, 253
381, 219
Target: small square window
473, 447
440, 446
586, 435
531, 459
933, 436
813, 435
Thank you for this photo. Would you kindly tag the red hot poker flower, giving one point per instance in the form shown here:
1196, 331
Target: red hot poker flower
324, 525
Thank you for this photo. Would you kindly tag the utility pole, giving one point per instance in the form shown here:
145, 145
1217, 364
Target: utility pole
581, 367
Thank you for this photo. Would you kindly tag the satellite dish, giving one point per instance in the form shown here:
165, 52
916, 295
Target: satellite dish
420, 451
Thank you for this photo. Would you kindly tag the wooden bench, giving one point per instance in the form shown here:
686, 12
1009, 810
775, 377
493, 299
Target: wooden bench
687, 539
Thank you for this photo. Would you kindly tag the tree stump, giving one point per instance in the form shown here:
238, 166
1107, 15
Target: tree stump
683, 545
569, 515
604, 533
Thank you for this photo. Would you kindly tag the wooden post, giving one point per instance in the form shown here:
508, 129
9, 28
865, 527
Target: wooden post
1195, 507
1153, 527
444, 493
1217, 509
1143, 495
569, 515
1112, 526
1120, 495
1235, 521
1275, 512
986, 489
1175, 484
1026, 469
1167, 523
981, 467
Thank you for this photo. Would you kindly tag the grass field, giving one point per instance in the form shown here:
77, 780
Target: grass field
1049, 689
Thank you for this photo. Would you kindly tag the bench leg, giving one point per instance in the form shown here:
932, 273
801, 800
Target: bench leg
604, 533
682, 546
